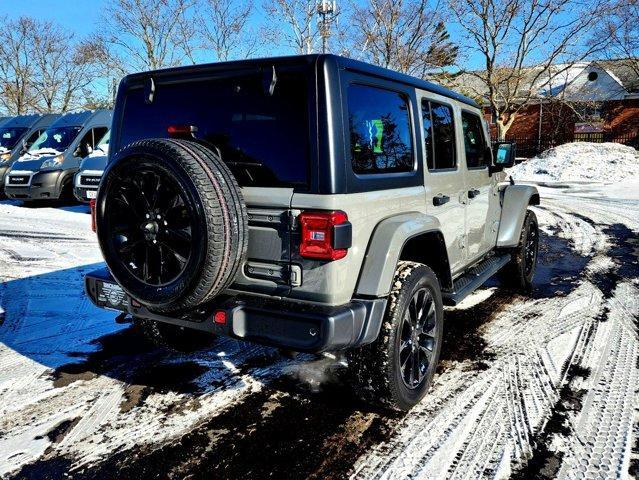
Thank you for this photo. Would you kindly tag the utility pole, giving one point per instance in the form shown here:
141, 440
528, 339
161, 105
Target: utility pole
327, 12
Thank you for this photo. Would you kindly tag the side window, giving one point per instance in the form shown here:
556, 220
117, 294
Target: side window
33, 137
427, 124
87, 141
380, 130
439, 135
98, 133
474, 142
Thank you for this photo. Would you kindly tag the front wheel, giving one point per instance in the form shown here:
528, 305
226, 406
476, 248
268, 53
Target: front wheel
520, 271
397, 369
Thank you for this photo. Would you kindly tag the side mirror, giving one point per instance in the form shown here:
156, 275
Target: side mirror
504, 156
24, 148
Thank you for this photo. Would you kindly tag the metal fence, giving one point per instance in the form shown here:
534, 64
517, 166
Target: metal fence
528, 147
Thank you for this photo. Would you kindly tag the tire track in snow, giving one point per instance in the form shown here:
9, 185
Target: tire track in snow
504, 376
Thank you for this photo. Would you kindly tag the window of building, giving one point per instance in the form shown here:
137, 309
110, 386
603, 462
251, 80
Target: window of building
380, 130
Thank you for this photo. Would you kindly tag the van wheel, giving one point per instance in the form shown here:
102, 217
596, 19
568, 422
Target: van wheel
176, 338
397, 369
519, 272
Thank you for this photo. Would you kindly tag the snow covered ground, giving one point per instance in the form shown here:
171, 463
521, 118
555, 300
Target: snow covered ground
542, 386
579, 162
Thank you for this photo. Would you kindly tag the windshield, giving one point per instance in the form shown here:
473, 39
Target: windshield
9, 137
56, 138
103, 144
263, 136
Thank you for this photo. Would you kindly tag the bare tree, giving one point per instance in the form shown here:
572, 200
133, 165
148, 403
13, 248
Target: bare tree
526, 46
16, 65
42, 67
222, 26
406, 35
63, 68
294, 22
147, 34
622, 30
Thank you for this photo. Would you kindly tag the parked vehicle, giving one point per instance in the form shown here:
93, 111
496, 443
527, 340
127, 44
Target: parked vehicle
17, 135
91, 168
46, 170
311, 203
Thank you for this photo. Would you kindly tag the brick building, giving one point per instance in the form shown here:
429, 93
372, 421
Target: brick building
596, 101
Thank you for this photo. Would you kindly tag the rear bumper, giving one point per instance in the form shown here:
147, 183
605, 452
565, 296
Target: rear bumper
286, 324
42, 185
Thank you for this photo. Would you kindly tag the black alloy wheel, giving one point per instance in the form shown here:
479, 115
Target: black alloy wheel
397, 369
520, 271
151, 225
417, 339
172, 223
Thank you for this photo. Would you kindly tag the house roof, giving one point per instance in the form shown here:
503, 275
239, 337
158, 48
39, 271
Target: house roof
614, 79
626, 70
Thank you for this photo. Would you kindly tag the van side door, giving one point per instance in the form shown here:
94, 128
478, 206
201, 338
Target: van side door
482, 191
444, 178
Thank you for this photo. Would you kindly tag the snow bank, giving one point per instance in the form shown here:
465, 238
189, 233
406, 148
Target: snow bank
581, 161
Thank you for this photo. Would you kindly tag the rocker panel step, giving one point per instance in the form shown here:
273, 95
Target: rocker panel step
474, 278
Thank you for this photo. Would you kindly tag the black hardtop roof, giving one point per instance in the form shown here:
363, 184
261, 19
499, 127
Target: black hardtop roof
342, 62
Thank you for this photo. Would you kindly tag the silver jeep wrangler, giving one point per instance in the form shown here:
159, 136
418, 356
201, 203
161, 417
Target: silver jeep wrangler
311, 203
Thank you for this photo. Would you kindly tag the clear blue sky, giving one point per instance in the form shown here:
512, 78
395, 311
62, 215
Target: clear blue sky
83, 16
79, 16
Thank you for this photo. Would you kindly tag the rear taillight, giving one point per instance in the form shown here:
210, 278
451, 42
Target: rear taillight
325, 235
182, 131
92, 206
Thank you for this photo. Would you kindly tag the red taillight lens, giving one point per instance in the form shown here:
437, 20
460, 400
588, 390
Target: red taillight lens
92, 206
182, 130
318, 232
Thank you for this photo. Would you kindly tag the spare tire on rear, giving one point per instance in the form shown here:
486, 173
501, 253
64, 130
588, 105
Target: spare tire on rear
171, 223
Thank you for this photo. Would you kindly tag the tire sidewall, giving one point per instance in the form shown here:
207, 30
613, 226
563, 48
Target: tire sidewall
420, 277
530, 224
151, 295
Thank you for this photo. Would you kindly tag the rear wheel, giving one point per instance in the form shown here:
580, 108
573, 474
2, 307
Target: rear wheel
520, 271
173, 337
397, 369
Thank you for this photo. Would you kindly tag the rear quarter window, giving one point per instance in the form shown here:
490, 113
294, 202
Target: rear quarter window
264, 139
380, 130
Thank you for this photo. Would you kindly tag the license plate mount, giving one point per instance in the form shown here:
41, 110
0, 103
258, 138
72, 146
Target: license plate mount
111, 295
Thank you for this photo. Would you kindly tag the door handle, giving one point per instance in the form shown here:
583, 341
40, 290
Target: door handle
439, 200
473, 193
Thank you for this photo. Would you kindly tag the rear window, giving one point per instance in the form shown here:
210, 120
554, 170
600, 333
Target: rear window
264, 139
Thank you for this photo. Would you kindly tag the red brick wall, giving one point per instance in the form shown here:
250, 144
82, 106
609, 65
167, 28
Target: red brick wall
557, 120
621, 119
